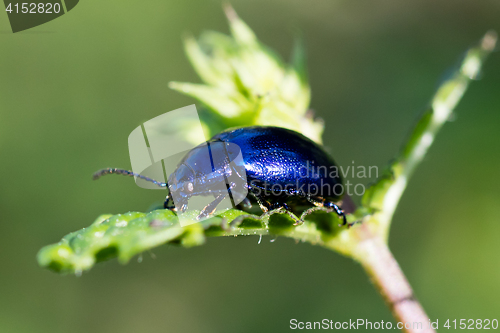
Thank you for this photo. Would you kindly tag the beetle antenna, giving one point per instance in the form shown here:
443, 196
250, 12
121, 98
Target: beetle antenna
108, 171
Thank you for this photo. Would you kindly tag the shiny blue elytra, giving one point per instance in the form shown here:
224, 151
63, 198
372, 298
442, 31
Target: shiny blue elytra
283, 168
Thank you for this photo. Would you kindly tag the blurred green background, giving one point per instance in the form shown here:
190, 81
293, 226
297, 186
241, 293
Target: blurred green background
73, 89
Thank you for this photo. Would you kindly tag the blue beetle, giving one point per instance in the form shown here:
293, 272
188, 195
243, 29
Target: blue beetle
283, 169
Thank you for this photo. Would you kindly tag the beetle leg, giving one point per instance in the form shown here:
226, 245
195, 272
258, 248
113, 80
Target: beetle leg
263, 204
321, 202
298, 221
210, 208
283, 209
270, 209
337, 210
316, 200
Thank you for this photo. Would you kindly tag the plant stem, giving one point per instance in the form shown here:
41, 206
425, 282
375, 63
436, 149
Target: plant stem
384, 271
384, 196
371, 249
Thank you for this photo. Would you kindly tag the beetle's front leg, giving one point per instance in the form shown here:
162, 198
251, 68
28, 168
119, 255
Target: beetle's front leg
211, 207
270, 209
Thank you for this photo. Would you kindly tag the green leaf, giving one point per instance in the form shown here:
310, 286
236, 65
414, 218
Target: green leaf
126, 235
201, 62
244, 80
241, 32
299, 60
234, 106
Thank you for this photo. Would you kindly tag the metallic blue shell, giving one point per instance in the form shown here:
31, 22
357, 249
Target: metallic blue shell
281, 160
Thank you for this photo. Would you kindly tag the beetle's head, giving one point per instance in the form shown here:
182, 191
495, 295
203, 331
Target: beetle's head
202, 172
181, 185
